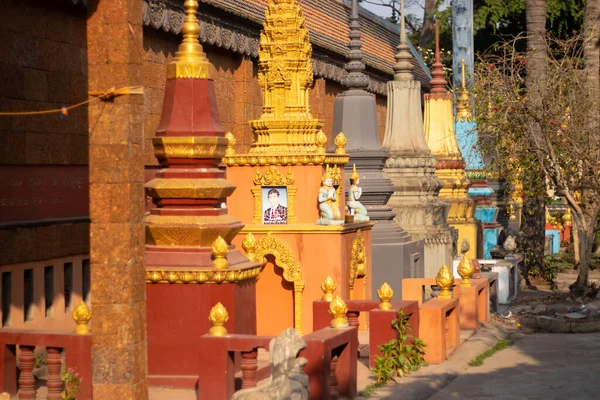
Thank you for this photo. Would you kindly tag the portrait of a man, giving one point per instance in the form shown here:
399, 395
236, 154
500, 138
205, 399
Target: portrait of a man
274, 205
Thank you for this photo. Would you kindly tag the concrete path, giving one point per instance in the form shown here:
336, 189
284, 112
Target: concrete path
537, 366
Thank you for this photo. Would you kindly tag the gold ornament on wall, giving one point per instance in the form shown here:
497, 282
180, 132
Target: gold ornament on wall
220, 249
249, 246
465, 270
82, 316
328, 287
201, 276
445, 281
231, 141
218, 317
340, 142
338, 310
358, 259
385, 294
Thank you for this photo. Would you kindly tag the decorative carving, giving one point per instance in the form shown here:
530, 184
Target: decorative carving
220, 248
329, 210
354, 193
338, 310
445, 280
249, 246
321, 141
385, 294
273, 177
189, 147
201, 276
292, 271
358, 260
284, 160
328, 287
82, 316
218, 317
231, 141
465, 270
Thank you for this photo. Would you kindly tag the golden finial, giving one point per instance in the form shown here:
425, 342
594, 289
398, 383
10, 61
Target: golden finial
218, 317
82, 316
465, 270
338, 310
340, 142
219, 252
354, 175
463, 101
232, 141
328, 287
249, 246
321, 141
445, 281
385, 294
190, 61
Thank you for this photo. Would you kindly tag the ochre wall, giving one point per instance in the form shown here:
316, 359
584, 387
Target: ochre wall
43, 65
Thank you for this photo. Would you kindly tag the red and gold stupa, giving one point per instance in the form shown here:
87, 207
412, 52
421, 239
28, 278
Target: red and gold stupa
190, 262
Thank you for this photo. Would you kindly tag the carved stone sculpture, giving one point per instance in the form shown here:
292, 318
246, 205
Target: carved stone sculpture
354, 192
329, 211
288, 380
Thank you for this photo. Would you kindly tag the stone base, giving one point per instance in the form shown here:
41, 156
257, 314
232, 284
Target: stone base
395, 256
177, 315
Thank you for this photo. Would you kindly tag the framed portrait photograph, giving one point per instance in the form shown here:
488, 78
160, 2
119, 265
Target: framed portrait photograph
274, 205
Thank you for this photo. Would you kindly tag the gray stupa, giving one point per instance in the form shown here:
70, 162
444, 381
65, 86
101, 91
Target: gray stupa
412, 167
395, 254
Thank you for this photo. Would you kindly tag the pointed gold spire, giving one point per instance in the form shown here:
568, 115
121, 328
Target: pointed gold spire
463, 102
403, 68
190, 60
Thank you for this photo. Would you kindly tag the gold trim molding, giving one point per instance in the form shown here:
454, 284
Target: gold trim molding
241, 160
190, 147
201, 276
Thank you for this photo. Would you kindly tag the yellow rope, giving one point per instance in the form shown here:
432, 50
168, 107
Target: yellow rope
127, 90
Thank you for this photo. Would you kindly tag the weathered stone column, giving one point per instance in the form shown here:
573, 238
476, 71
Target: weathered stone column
395, 254
114, 44
412, 167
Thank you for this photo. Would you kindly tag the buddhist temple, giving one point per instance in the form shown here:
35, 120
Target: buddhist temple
411, 165
290, 191
395, 254
450, 165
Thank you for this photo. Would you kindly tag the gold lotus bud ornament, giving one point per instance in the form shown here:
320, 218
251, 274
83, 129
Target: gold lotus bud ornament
338, 310
82, 316
218, 317
340, 142
249, 246
328, 287
445, 281
231, 142
219, 252
320, 141
385, 294
465, 270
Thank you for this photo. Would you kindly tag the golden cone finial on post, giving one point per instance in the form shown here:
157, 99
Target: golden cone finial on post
463, 102
338, 310
328, 287
231, 142
385, 294
321, 141
218, 317
340, 142
220, 249
190, 60
445, 281
465, 270
82, 316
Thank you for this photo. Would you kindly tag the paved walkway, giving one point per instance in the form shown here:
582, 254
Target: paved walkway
537, 366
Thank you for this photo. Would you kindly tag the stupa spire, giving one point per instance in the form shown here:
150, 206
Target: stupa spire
463, 103
190, 60
404, 67
355, 79
438, 83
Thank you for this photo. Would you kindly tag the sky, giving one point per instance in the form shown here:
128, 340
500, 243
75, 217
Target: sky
387, 12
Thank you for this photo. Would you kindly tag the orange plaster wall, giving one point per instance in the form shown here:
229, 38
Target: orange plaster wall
319, 255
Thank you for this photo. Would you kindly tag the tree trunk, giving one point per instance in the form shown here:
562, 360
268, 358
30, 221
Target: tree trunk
533, 217
428, 23
586, 243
